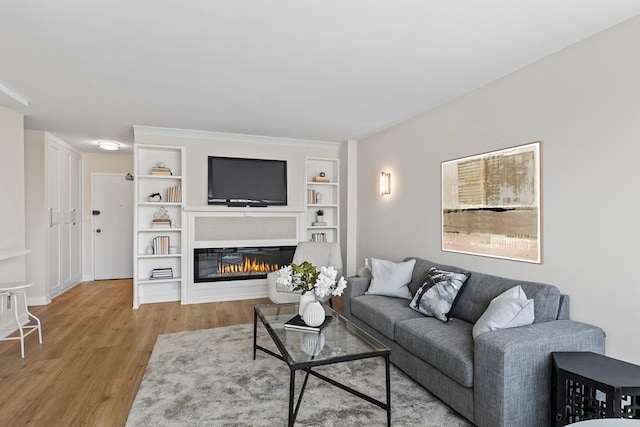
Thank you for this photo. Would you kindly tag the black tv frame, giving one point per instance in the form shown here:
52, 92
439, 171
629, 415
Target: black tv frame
242, 201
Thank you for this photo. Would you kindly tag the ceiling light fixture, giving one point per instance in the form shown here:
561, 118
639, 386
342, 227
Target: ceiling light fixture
109, 145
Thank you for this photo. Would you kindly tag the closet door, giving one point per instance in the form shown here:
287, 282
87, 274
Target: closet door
55, 217
70, 228
75, 220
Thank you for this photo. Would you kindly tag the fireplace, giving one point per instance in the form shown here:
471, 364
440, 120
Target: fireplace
242, 263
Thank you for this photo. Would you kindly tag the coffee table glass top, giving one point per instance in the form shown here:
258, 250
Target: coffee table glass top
339, 339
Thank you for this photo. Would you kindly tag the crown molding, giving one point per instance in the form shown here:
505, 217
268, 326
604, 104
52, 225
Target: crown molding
10, 97
232, 137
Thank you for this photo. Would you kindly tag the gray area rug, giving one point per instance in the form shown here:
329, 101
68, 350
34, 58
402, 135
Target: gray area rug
209, 378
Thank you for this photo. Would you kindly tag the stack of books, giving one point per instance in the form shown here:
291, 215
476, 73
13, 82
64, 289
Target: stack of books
174, 194
156, 170
321, 178
312, 197
162, 273
297, 324
161, 245
161, 223
319, 223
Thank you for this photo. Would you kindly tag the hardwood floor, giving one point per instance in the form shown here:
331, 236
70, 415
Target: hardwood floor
95, 350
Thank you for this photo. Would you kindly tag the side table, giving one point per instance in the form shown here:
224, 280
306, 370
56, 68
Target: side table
589, 385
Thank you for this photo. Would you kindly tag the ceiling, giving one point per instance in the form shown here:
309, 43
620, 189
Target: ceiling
319, 70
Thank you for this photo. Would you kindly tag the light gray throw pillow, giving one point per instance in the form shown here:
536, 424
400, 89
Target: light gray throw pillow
508, 310
391, 279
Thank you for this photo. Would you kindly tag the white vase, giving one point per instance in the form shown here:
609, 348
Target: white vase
313, 314
305, 299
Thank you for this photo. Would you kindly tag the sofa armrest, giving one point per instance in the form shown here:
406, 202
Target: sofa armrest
512, 370
356, 286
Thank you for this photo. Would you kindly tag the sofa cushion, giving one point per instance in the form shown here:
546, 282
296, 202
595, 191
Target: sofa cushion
481, 288
390, 278
508, 310
382, 313
437, 295
447, 347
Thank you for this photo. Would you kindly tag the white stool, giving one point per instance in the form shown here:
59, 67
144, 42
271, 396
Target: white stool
7, 291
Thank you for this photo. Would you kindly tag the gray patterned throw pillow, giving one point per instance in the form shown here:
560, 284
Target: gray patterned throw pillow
438, 293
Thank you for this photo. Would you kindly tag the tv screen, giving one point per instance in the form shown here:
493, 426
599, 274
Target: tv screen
247, 182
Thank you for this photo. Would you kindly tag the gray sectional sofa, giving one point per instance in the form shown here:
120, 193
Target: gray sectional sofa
503, 378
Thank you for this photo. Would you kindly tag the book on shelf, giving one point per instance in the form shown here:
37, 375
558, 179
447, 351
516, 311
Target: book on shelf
162, 273
174, 194
321, 179
297, 324
313, 197
319, 223
161, 223
160, 171
160, 245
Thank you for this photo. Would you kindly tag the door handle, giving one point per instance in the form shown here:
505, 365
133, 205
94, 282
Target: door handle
98, 230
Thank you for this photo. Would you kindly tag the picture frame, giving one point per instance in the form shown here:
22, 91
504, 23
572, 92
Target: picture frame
491, 204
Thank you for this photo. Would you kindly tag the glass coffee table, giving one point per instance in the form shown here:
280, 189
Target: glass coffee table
339, 341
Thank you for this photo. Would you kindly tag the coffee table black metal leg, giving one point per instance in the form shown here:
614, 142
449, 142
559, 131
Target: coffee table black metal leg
255, 332
292, 390
386, 362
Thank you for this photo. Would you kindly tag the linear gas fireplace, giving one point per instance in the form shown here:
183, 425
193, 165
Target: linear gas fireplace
243, 263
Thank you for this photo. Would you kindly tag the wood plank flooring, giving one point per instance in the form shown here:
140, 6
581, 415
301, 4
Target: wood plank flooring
95, 350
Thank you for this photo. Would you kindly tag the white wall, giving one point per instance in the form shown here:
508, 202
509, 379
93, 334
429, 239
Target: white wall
583, 103
12, 222
92, 163
36, 204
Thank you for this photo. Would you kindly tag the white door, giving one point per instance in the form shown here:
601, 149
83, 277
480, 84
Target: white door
112, 213
55, 220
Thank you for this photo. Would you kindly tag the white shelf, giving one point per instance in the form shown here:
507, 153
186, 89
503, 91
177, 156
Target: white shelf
329, 199
12, 254
145, 281
141, 256
159, 204
146, 290
160, 176
322, 183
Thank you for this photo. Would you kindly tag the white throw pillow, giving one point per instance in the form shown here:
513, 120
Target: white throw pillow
391, 279
508, 310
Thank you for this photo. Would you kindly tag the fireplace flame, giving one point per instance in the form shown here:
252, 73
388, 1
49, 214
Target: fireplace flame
248, 266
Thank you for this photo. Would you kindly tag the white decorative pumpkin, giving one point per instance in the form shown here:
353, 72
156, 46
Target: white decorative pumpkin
313, 314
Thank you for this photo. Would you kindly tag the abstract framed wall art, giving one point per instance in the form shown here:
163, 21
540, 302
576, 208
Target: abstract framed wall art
491, 204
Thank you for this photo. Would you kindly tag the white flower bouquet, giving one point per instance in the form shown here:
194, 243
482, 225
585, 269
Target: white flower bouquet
306, 277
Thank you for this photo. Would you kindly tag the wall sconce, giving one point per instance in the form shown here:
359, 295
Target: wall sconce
385, 183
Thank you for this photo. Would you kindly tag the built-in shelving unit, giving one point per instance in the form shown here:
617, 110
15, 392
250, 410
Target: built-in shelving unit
323, 192
170, 240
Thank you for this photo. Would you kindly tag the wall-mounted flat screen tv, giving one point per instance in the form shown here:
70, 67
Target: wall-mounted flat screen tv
247, 182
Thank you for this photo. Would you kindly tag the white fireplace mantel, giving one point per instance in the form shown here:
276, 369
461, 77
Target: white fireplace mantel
211, 227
